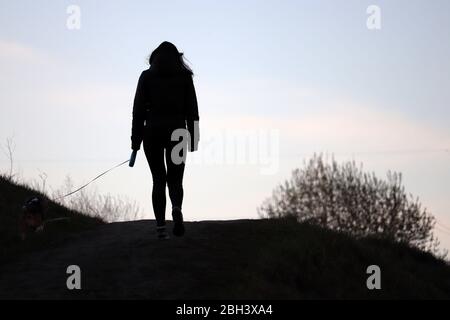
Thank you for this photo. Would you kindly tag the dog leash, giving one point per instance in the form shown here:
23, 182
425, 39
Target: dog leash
85, 185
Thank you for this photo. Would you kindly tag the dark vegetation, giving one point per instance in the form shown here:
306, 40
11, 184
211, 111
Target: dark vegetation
344, 198
255, 259
12, 197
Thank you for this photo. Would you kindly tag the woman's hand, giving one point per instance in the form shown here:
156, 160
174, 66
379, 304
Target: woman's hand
132, 158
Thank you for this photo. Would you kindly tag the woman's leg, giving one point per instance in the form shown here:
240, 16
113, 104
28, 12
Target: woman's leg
175, 172
154, 152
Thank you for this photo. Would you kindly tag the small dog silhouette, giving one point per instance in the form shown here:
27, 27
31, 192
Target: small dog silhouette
32, 218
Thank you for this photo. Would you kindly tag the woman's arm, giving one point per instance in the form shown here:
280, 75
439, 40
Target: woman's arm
192, 117
137, 128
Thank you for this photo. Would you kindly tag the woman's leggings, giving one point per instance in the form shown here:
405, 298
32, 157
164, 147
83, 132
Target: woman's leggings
157, 144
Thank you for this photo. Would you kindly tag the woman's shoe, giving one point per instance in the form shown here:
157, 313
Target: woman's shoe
162, 233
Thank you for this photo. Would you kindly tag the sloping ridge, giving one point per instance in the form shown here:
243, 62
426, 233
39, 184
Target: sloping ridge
223, 259
237, 259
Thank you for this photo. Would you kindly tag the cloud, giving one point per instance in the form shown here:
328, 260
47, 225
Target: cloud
366, 128
249, 96
11, 51
348, 126
309, 117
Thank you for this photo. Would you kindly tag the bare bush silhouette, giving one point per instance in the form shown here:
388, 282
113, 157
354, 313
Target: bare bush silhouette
107, 207
8, 151
345, 198
39, 184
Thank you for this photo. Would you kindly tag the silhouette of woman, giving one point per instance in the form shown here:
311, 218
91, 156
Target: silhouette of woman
165, 102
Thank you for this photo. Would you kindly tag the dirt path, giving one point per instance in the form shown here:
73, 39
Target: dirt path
125, 260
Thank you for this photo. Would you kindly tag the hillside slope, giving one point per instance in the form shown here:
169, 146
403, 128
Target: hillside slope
223, 259
253, 259
12, 198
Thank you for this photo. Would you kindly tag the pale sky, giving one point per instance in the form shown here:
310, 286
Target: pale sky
310, 73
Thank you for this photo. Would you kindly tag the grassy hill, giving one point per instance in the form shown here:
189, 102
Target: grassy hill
12, 197
254, 259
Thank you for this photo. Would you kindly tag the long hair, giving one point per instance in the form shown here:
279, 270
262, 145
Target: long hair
167, 60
